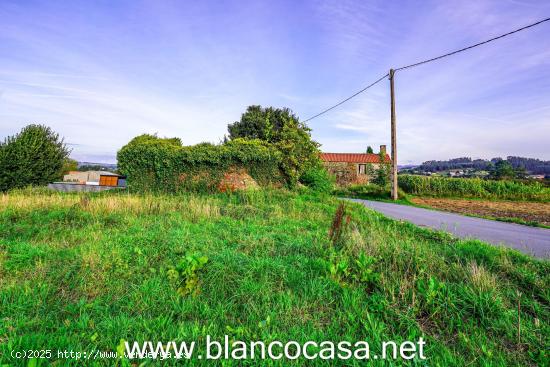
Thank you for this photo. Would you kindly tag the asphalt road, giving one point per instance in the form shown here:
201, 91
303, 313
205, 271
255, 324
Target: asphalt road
530, 240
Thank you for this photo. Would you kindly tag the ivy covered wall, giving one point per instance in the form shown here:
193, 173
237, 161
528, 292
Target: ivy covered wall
165, 165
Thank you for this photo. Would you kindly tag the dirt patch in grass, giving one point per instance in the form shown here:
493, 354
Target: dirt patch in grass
524, 211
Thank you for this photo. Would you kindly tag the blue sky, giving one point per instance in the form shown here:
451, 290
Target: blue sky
102, 72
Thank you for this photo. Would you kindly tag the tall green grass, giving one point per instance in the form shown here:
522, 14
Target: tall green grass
473, 188
82, 272
367, 191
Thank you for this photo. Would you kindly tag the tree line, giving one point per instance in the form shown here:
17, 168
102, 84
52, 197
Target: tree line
528, 165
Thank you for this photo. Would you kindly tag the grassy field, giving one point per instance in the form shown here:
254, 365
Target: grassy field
84, 272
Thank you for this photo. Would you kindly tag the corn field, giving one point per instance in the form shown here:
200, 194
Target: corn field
473, 188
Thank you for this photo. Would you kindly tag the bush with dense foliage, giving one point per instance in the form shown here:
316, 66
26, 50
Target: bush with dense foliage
318, 179
164, 165
283, 129
35, 156
472, 187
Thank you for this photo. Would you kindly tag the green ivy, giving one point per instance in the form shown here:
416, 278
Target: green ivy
164, 165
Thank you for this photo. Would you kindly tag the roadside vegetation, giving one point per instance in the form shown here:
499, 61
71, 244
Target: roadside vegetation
508, 201
85, 271
370, 191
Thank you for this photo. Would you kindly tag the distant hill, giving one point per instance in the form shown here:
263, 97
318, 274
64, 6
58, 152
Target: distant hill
93, 166
406, 166
533, 166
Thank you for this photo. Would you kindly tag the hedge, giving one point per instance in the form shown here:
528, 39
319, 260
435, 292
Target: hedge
164, 165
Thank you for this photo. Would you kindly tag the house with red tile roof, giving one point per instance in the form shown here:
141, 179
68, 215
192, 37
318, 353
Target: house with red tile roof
354, 168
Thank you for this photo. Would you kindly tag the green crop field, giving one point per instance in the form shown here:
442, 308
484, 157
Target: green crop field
473, 188
85, 272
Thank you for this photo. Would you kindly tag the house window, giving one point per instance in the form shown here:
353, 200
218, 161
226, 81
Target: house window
362, 169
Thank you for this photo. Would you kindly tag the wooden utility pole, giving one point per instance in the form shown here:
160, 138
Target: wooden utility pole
393, 140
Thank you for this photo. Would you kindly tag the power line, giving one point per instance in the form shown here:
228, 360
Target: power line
350, 97
472, 46
424, 62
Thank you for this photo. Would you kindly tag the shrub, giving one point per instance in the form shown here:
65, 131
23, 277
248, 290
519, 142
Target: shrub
472, 187
163, 165
318, 179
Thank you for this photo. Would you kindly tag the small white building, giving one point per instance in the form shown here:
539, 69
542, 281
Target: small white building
87, 177
89, 181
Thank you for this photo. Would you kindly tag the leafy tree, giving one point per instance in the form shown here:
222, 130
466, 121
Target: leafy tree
382, 176
35, 156
69, 165
521, 172
280, 127
503, 169
369, 150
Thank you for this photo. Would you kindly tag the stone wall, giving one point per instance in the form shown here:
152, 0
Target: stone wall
237, 179
78, 187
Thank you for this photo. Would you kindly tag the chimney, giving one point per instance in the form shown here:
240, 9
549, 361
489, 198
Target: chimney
383, 149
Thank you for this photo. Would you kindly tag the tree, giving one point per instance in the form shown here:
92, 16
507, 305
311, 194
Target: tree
503, 169
34, 156
382, 176
69, 165
280, 127
90, 167
369, 150
521, 172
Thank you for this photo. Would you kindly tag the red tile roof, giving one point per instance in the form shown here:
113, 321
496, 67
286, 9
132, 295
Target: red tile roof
353, 157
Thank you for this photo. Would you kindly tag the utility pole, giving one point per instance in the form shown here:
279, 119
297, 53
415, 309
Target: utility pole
393, 140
